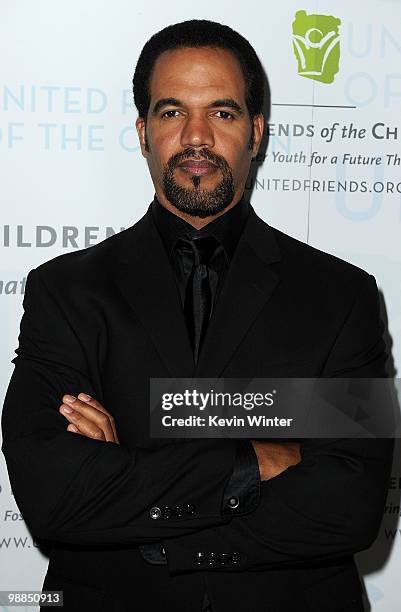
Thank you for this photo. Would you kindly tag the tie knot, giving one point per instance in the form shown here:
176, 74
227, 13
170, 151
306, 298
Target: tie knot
202, 247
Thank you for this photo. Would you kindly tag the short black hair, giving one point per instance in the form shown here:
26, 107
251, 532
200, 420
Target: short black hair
200, 33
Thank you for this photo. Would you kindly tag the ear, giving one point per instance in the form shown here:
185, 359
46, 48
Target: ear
140, 125
258, 126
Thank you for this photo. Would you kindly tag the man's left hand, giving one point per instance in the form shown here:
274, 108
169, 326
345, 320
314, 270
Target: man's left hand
88, 417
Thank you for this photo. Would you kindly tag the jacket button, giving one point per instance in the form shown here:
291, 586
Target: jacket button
212, 558
166, 512
190, 509
199, 558
235, 557
179, 511
225, 558
233, 502
155, 512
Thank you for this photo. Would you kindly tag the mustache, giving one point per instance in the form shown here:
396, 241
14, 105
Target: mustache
197, 155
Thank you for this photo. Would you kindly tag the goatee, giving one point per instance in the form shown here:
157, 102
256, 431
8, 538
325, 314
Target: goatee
198, 202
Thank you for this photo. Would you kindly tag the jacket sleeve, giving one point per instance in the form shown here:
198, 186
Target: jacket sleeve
78, 490
328, 505
241, 495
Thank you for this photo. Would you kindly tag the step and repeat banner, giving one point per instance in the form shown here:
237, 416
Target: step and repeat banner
72, 173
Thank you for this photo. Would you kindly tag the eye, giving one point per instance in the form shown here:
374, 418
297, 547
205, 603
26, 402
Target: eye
167, 115
226, 115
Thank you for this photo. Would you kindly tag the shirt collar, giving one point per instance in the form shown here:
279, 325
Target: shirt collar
227, 228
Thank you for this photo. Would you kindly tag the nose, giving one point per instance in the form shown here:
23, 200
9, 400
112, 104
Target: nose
197, 132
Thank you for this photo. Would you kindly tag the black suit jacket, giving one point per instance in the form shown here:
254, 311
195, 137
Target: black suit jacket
104, 320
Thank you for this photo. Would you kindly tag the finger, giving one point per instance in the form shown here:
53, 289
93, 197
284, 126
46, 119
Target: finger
91, 401
89, 426
74, 429
99, 417
85, 426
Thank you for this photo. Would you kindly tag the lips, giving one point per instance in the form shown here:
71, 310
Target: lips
197, 166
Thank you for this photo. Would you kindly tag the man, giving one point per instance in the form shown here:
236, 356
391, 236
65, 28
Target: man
200, 286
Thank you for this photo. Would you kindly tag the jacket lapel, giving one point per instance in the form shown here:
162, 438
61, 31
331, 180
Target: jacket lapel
145, 277
251, 280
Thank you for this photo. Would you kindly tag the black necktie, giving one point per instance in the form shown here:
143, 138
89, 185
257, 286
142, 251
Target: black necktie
198, 254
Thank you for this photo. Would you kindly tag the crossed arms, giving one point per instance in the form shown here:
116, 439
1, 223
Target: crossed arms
88, 417
81, 490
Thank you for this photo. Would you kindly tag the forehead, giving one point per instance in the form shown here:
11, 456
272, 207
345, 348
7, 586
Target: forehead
197, 73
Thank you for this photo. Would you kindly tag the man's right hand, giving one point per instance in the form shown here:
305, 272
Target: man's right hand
274, 457
89, 418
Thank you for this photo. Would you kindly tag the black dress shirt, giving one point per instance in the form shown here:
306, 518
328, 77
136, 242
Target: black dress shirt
242, 492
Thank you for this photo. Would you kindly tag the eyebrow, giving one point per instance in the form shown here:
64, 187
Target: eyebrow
226, 102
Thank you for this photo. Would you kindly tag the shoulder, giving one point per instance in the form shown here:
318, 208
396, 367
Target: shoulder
82, 269
310, 261
330, 286
312, 274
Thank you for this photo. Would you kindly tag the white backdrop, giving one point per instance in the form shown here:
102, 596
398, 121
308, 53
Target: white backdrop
71, 170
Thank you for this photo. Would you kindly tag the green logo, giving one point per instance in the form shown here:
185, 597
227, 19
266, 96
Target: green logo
316, 42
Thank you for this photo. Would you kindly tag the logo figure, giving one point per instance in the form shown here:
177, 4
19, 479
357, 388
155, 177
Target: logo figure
316, 42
